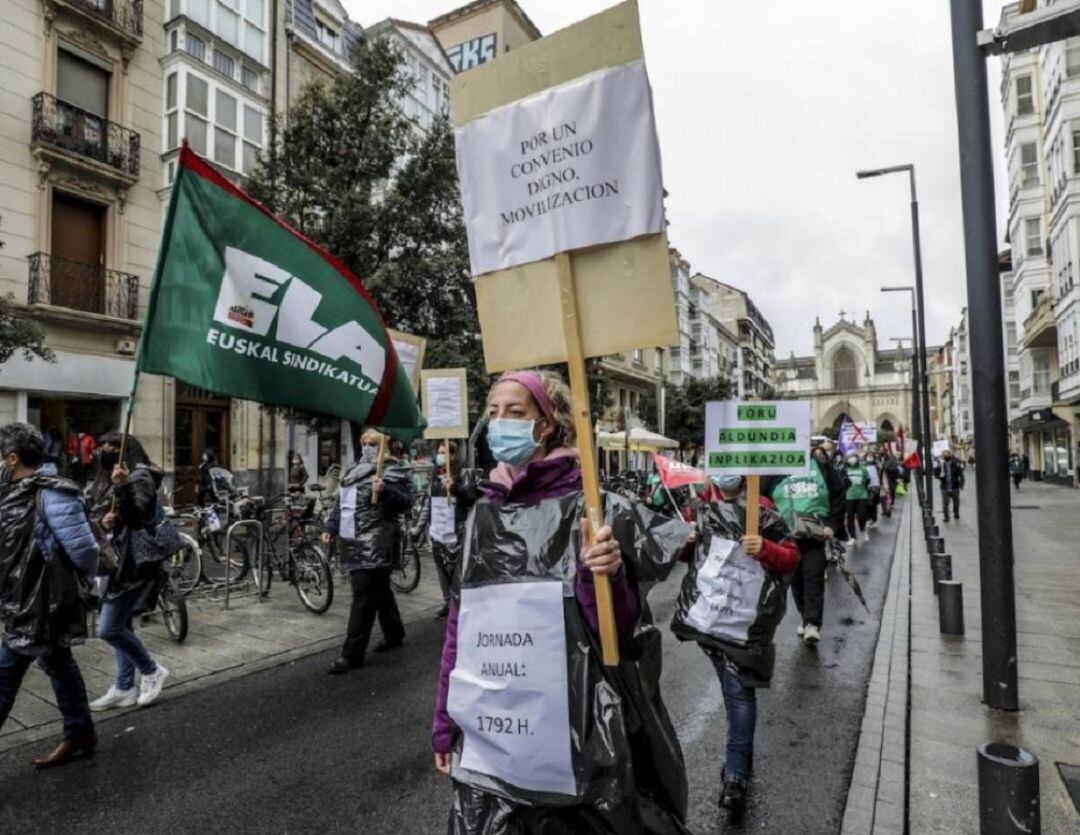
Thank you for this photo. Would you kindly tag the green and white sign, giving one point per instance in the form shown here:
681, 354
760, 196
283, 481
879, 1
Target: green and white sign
755, 438
244, 306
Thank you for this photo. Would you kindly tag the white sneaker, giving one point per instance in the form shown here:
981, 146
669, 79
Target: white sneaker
854, 542
150, 686
866, 537
799, 630
811, 635
114, 698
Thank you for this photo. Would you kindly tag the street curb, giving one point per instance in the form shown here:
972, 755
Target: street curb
105, 721
877, 794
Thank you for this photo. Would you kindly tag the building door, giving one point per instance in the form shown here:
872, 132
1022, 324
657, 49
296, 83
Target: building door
77, 262
202, 426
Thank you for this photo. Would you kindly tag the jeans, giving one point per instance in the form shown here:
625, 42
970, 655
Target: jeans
954, 496
67, 683
808, 583
372, 596
115, 628
740, 702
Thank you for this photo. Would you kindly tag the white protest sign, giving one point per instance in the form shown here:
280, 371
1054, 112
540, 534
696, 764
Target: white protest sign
508, 689
729, 586
939, 447
757, 438
442, 521
445, 397
347, 518
410, 350
570, 167
859, 433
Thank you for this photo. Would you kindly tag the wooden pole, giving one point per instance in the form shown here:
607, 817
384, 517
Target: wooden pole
753, 504
590, 481
380, 463
449, 471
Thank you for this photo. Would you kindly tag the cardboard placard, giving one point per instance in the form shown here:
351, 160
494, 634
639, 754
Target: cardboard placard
410, 350
445, 397
755, 438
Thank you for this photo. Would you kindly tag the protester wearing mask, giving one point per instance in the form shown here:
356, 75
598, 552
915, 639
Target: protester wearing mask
751, 580
813, 506
47, 555
858, 497
365, 519
123, 502
526, 528
949, 472
444, 515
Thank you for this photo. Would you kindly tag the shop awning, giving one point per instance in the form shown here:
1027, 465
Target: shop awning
640, 440
1037, 419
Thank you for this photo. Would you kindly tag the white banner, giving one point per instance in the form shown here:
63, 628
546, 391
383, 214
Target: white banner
508, 689
570, 167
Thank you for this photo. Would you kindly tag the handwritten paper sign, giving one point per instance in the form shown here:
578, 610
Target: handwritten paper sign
573, 166
442, 522
729, 586
446, 402
410, 350
757, 438
508, 690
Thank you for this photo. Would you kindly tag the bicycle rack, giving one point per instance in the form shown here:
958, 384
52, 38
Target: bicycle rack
258, 528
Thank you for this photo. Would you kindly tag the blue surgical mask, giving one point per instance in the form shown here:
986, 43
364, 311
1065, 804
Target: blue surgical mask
728, 484
440, 460
511, 441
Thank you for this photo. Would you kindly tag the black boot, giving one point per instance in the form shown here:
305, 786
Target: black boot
733, 797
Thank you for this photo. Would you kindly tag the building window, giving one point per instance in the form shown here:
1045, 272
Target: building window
1029, 164
224, 64
249, 78
228, 23
255, 29
174, 40
199, 11
328, 37
845, 372
1033, 236
197, 113
253, 138
1010, 336
1025, 96
1072, 57
172, 114
225, 129
1076, 150
195, 47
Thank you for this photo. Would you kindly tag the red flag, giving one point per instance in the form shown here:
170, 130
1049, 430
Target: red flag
912, 462
676, 474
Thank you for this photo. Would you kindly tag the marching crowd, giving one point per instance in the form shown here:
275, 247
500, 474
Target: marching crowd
523, 522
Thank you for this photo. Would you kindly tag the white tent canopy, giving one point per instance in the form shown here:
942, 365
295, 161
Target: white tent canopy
640, 440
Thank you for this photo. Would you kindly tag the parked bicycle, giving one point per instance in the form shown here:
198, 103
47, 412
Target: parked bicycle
173, 608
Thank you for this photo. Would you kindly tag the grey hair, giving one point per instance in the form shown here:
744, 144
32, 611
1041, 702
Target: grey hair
25, 441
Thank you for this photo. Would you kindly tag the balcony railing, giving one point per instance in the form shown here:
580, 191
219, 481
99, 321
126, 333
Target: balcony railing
125, 15
78, 286
62, 125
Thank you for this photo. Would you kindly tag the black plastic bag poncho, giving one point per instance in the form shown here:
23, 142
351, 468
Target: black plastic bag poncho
626, 758
368, 529
729, 602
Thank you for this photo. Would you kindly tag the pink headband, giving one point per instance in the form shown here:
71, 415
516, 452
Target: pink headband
535, 384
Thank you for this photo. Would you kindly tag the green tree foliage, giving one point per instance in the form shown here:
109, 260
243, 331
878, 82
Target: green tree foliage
351, 172
685, 409
20, 334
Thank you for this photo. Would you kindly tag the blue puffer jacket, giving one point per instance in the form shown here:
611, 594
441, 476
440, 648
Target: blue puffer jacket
67, 527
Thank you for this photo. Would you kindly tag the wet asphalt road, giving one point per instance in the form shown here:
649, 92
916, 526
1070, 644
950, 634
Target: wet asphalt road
293, 750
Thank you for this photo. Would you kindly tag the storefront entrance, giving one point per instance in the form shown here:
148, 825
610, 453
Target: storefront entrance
202, 426
63, 419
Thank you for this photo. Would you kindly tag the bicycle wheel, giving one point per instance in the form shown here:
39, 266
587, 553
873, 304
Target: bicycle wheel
238, 564
262, 566
173, 611
186, 565
405, 576
312, 578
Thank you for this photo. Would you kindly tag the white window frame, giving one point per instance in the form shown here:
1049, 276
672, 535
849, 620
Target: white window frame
213, 87
1029, 168
1027, 109
1033, 242
1072, 57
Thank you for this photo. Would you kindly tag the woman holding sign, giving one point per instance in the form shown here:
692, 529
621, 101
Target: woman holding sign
516, 725
732, 599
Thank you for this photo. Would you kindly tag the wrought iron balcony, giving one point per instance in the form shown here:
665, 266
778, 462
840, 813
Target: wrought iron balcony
75, 285
58, 124
125, 16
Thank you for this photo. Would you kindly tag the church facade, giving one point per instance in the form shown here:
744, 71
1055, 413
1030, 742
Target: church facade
849, 377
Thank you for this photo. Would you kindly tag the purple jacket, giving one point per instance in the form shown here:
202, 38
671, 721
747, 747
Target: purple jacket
556, 476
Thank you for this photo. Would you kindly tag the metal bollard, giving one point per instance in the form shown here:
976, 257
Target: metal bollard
933, 530
951, 607
936, 545
1008, 790
940, 568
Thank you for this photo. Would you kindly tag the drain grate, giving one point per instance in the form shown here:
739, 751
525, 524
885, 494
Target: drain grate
1070, 775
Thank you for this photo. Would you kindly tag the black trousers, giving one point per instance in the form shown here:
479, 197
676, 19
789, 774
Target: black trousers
954, 495
808, 582
372, 596
445, 558
856, 516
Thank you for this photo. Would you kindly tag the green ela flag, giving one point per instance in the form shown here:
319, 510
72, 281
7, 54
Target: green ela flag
243, 305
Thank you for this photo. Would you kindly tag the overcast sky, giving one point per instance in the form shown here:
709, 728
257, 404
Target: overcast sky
765, 111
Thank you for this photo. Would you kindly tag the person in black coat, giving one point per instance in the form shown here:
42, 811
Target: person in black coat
949, 471
365, 520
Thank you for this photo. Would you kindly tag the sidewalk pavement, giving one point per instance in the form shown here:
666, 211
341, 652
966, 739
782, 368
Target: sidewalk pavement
947, 720
221, 645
